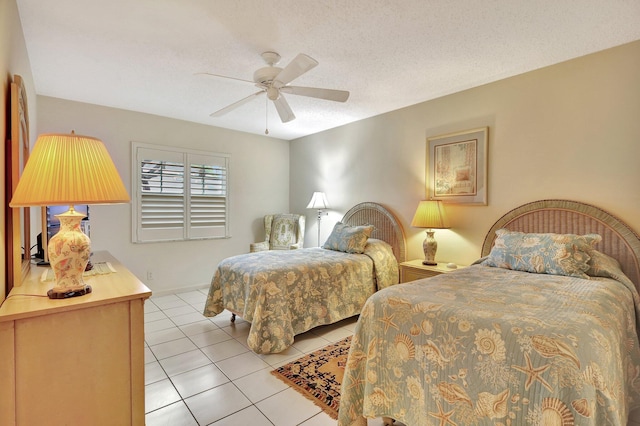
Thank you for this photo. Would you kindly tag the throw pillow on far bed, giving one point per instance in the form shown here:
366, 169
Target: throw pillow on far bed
548, 253
348, 239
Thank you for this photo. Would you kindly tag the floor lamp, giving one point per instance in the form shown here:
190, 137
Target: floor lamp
319, 201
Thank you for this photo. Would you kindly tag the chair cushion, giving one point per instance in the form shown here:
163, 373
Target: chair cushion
284, 230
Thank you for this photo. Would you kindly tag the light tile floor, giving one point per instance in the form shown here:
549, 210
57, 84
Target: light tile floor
199, 371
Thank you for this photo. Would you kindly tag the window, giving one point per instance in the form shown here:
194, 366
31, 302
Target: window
179, 194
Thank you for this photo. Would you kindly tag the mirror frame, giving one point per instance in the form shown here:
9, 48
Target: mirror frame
18, 227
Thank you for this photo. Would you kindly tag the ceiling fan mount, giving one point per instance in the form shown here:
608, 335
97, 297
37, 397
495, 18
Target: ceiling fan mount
274, 81
271, 58
266, 75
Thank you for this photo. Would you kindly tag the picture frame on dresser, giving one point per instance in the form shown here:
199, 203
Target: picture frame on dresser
18, 224
457, 167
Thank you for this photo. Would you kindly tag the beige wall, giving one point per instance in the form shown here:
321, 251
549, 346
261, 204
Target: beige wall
13, 60
567, 131
259, 185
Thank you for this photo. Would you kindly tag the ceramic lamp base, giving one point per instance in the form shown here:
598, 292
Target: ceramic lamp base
69, 252
430, 246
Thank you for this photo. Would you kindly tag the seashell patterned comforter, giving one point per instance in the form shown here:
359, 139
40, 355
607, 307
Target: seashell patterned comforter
283, 293
491, 346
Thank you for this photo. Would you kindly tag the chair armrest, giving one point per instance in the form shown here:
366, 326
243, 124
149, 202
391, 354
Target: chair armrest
261, 246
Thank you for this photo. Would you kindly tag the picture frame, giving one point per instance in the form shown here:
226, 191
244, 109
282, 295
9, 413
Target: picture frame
457, 167
18, 219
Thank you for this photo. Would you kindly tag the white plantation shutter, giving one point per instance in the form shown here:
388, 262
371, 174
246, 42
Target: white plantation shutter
208, 198
179, 194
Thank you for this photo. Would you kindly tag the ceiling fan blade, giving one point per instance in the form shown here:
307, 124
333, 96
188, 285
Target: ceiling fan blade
284, 110
300, 64
235, 105
224, 76
316, 92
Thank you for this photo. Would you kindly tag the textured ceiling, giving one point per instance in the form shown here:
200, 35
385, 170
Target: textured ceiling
142, 55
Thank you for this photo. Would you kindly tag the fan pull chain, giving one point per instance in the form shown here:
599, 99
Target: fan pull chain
266, 115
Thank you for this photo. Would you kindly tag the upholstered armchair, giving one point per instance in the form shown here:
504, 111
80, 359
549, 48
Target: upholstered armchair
282, 232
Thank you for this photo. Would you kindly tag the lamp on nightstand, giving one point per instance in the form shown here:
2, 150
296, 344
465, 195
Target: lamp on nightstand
430, 214
319, 201
68, 169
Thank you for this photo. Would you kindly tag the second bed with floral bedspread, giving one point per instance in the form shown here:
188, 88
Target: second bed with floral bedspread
285, 293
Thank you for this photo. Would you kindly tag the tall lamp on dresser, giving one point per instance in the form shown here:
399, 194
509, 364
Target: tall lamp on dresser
68, 169
430, 214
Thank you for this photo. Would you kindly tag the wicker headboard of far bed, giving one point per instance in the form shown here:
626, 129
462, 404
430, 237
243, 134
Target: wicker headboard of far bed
386, 226
571, 217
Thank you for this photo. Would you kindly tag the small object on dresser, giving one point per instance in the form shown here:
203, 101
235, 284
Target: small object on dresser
452, 266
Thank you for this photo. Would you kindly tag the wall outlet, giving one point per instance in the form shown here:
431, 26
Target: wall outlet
149, 276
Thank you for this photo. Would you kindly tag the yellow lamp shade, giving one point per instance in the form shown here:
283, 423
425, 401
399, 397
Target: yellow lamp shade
430, 214
67, 169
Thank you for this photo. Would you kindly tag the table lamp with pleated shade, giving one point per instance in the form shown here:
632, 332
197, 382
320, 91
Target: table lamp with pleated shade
430, 214
68, 169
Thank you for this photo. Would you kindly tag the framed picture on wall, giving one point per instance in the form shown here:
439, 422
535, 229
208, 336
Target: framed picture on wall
457, 167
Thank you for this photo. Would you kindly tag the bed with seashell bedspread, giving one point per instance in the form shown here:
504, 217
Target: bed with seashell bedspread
495, 344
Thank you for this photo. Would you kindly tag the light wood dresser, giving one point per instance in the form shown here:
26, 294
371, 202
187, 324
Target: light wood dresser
77, 361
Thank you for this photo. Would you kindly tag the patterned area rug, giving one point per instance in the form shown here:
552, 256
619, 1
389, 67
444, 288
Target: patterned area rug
318, 375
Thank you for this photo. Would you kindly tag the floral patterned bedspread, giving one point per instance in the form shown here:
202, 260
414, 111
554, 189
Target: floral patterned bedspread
284, 293
491, 346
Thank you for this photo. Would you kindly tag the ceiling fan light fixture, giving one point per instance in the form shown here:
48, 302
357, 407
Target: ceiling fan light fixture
272, 93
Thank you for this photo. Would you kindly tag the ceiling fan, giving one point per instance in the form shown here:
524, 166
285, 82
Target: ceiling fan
274, 81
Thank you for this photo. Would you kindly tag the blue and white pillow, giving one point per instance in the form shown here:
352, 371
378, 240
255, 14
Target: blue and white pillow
557, 254
348, 239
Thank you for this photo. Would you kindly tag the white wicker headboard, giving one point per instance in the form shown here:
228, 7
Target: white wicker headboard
572, 217
386, 227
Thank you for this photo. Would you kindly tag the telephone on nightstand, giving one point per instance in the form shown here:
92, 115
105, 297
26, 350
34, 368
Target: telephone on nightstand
452, 266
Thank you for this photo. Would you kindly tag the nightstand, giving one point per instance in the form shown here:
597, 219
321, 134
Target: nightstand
414, 270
